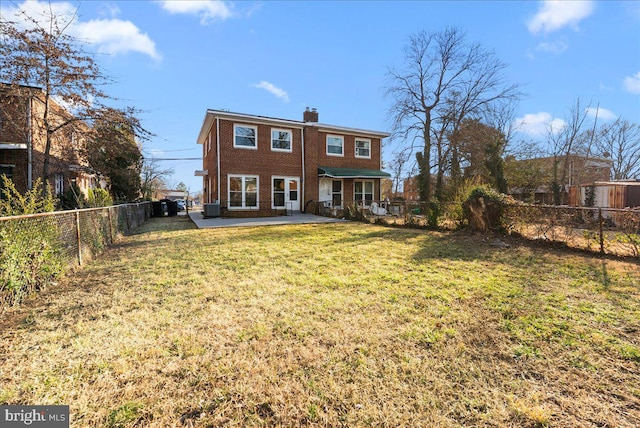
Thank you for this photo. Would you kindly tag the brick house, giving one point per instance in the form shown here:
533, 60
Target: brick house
260, 166
411, 192
22, 143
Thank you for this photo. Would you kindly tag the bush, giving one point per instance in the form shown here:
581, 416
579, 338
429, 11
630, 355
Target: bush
484, 209
72, 198
99, 198
29, 253
435, 211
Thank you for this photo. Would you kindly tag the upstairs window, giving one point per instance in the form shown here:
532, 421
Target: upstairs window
335, 145
363, 148
245, 137
281, 140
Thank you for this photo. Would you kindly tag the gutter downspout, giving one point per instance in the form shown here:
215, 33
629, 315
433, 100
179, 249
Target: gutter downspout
218, 156
302, 179
380, 180
29, 146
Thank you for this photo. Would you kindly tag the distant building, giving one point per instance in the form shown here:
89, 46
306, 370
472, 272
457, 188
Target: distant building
411, 190
530, 179
606, 194
23, 139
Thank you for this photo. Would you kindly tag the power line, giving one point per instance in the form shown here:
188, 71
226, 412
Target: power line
175, 159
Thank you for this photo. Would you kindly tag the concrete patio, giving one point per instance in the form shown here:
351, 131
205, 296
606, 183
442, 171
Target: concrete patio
296, 218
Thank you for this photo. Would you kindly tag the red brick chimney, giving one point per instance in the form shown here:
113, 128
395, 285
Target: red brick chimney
310, 115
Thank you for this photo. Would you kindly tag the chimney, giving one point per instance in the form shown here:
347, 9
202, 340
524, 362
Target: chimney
310, 115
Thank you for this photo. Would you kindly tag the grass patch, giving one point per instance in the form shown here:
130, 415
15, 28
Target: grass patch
338, 324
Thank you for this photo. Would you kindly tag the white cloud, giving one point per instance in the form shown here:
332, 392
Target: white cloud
108, 35
554, 15
632, 83
40, 12
601, 113
270, 87
556, 47
539, 124
116, 36
207, 10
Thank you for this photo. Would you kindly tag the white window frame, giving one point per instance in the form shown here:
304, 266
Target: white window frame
244, 195
58, 184
364, 193
288, 131
235, 135
355, 145
340, 137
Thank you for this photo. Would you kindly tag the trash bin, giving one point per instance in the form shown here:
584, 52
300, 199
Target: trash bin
157, 209
172, 207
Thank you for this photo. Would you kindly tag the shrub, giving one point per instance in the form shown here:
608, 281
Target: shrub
99, 198
484, 209
29, 253
72, 198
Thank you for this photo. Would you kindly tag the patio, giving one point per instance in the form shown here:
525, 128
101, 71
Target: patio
295, 218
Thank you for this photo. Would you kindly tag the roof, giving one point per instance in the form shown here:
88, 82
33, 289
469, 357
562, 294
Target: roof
326, 171
212, 114
618, 183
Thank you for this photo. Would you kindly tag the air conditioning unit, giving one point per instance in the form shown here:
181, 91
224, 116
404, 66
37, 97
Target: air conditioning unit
211, 210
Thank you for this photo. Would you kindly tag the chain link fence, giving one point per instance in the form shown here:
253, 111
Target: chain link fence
34, 249
602, 230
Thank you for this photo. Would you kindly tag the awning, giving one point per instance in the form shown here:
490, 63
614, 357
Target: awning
324, 171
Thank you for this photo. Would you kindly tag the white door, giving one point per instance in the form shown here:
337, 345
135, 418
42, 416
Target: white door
286, 193
293, 198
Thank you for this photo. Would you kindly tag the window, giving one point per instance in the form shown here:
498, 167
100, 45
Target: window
281, 140
363, 192
363, 148
59, 184
243, 191
278, 192
245, 137
334, 145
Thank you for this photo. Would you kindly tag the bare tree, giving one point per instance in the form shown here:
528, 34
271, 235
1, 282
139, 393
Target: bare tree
153, 178
444, 81
620, 141
526, 170
400, 166
570, 140
41, 57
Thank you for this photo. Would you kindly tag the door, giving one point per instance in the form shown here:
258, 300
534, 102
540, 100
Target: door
286, 193
293, 184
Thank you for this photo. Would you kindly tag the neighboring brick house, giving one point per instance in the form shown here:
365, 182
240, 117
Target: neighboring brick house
259, 166
411, 192
22, 143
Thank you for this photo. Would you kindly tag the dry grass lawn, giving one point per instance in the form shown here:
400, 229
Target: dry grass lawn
330, 325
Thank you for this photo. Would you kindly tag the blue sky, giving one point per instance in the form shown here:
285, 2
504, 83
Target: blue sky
175, 59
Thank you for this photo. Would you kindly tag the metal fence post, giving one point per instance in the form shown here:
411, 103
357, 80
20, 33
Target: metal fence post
601, 230
79, 238
110, 225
